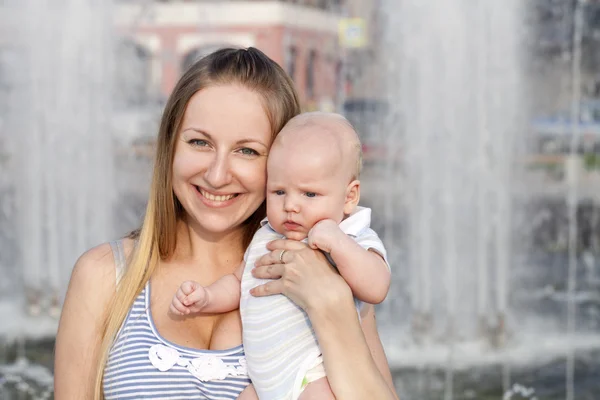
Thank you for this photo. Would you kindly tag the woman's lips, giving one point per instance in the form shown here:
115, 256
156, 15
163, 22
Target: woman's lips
216, 201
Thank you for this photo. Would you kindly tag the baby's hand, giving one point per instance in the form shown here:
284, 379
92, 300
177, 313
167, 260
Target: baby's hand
191, 297
322, 235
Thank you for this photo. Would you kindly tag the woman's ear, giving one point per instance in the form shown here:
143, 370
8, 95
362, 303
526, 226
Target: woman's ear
352, 197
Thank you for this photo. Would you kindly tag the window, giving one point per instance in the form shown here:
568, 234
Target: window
340, 89
290, 61
310, 74
196, 54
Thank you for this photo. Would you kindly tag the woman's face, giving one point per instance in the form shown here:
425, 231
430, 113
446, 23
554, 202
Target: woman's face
219, 166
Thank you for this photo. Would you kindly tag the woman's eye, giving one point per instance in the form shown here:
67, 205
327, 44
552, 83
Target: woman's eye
311, 194
279, 192
248, 151
198, 142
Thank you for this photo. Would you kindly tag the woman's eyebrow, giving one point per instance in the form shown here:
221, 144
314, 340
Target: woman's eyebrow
197, 130
244, 141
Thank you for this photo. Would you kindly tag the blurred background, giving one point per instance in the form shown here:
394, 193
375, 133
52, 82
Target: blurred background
480, 123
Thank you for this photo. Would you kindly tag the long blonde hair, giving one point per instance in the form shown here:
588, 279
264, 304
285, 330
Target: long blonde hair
157, 239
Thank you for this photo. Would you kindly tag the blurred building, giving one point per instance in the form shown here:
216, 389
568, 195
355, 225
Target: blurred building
365, 73
159, 39
365, 70
550, 60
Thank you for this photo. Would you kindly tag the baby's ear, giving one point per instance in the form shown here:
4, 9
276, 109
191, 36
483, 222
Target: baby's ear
352, 197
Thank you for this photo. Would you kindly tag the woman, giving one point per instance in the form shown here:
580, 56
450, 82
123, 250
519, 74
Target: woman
206, 200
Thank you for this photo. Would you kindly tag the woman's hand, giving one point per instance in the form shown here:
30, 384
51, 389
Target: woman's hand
306, 277
302, 274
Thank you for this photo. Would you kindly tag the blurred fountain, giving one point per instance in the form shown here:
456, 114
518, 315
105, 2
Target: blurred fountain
56, 127
460, 97
572, 178
453, 201
459, 86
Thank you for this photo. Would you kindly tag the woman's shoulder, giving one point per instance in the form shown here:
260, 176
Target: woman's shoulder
98, 264
91, 288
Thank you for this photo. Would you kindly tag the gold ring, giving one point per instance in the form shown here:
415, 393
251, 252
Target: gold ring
281, 256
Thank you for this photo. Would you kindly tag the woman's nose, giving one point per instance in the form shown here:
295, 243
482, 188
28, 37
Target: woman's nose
218, 173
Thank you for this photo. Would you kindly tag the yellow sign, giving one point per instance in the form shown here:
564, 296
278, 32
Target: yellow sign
353, 33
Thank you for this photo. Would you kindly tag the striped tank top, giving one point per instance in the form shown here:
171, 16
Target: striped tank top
143, 365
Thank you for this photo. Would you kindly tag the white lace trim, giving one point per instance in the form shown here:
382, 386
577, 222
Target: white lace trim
205, 368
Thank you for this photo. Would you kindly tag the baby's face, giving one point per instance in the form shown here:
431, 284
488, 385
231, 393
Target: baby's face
304, 186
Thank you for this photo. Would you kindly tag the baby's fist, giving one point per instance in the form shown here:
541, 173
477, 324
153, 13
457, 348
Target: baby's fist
190, 298
321, 235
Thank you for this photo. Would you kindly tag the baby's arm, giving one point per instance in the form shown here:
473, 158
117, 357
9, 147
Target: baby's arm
221, 296
364, 270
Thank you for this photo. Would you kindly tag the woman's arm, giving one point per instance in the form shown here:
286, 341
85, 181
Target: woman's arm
309, 281
369, 327
92, 285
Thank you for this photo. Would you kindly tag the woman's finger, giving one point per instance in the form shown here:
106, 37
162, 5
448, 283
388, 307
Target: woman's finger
282, 251
279, 256
285, 244
270, 271
268, 289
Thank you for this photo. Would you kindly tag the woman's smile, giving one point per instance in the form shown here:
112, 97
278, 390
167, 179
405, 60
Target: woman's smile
216, 200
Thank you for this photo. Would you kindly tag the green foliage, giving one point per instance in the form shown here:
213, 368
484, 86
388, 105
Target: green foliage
591, 161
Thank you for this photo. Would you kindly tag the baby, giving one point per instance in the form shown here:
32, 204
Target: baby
312, 195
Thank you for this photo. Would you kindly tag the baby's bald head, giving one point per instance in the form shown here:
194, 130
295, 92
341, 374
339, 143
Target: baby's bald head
312, 172
324, 134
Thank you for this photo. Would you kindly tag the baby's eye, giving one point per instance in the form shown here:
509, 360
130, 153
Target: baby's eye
248, 151
198, 142
311, 194
279, 192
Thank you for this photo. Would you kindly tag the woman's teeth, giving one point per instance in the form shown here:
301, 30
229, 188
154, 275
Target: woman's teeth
216, 198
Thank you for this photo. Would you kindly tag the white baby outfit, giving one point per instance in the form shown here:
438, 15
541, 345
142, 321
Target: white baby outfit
280, 345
